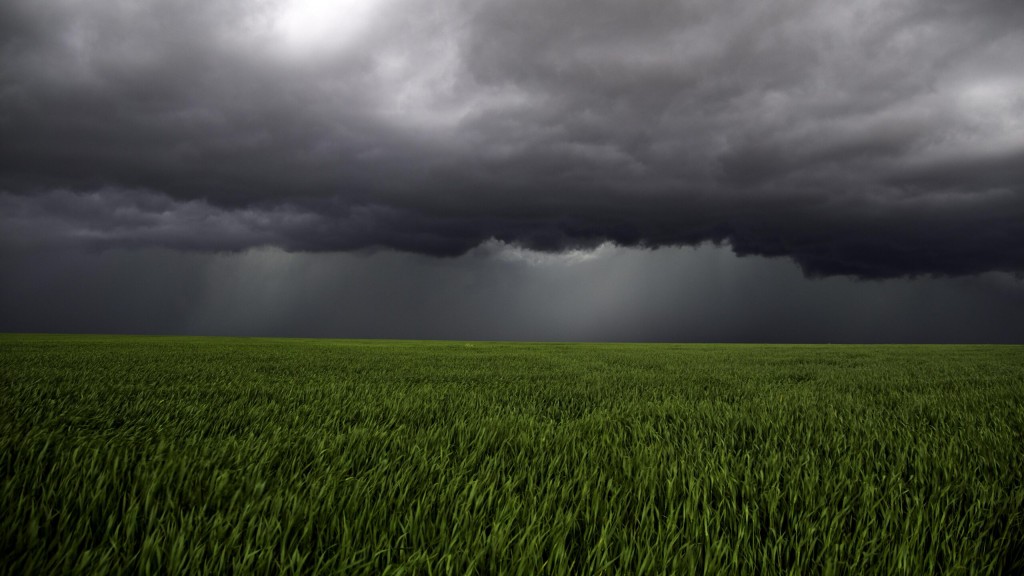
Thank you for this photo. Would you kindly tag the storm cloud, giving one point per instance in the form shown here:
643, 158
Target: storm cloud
877, 139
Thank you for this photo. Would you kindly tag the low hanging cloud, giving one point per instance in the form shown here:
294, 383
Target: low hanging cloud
867, 138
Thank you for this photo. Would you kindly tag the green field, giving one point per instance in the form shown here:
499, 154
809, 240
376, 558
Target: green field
167, 455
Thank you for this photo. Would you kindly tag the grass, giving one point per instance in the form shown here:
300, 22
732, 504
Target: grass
166, 455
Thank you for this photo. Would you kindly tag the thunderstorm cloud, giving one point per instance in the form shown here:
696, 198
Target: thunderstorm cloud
870, 138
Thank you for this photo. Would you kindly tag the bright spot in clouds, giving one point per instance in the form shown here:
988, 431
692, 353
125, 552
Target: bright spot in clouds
307, 26
999, 100
511, 253
994, 108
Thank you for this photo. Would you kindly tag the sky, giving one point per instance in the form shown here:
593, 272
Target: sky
652, 170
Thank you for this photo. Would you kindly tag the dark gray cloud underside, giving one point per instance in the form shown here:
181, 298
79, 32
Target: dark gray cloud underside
874, 139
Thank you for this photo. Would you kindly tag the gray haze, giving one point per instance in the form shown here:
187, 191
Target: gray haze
356, 167
498, 292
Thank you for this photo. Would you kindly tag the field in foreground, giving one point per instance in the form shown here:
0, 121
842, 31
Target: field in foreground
138, 455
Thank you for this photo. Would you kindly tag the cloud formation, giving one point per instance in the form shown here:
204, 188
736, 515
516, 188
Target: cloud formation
869, 138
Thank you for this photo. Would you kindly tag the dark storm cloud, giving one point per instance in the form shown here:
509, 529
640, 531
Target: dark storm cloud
871, 138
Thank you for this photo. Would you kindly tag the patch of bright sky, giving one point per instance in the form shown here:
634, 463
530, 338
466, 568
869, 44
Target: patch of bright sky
309, 27
995, 105
512, 253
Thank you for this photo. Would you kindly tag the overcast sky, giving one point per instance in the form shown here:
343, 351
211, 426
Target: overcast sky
794, 170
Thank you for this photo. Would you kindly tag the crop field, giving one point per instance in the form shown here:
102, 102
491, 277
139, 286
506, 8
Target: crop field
176, 455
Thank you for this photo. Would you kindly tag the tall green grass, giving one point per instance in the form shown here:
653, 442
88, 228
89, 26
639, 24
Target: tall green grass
147, 455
